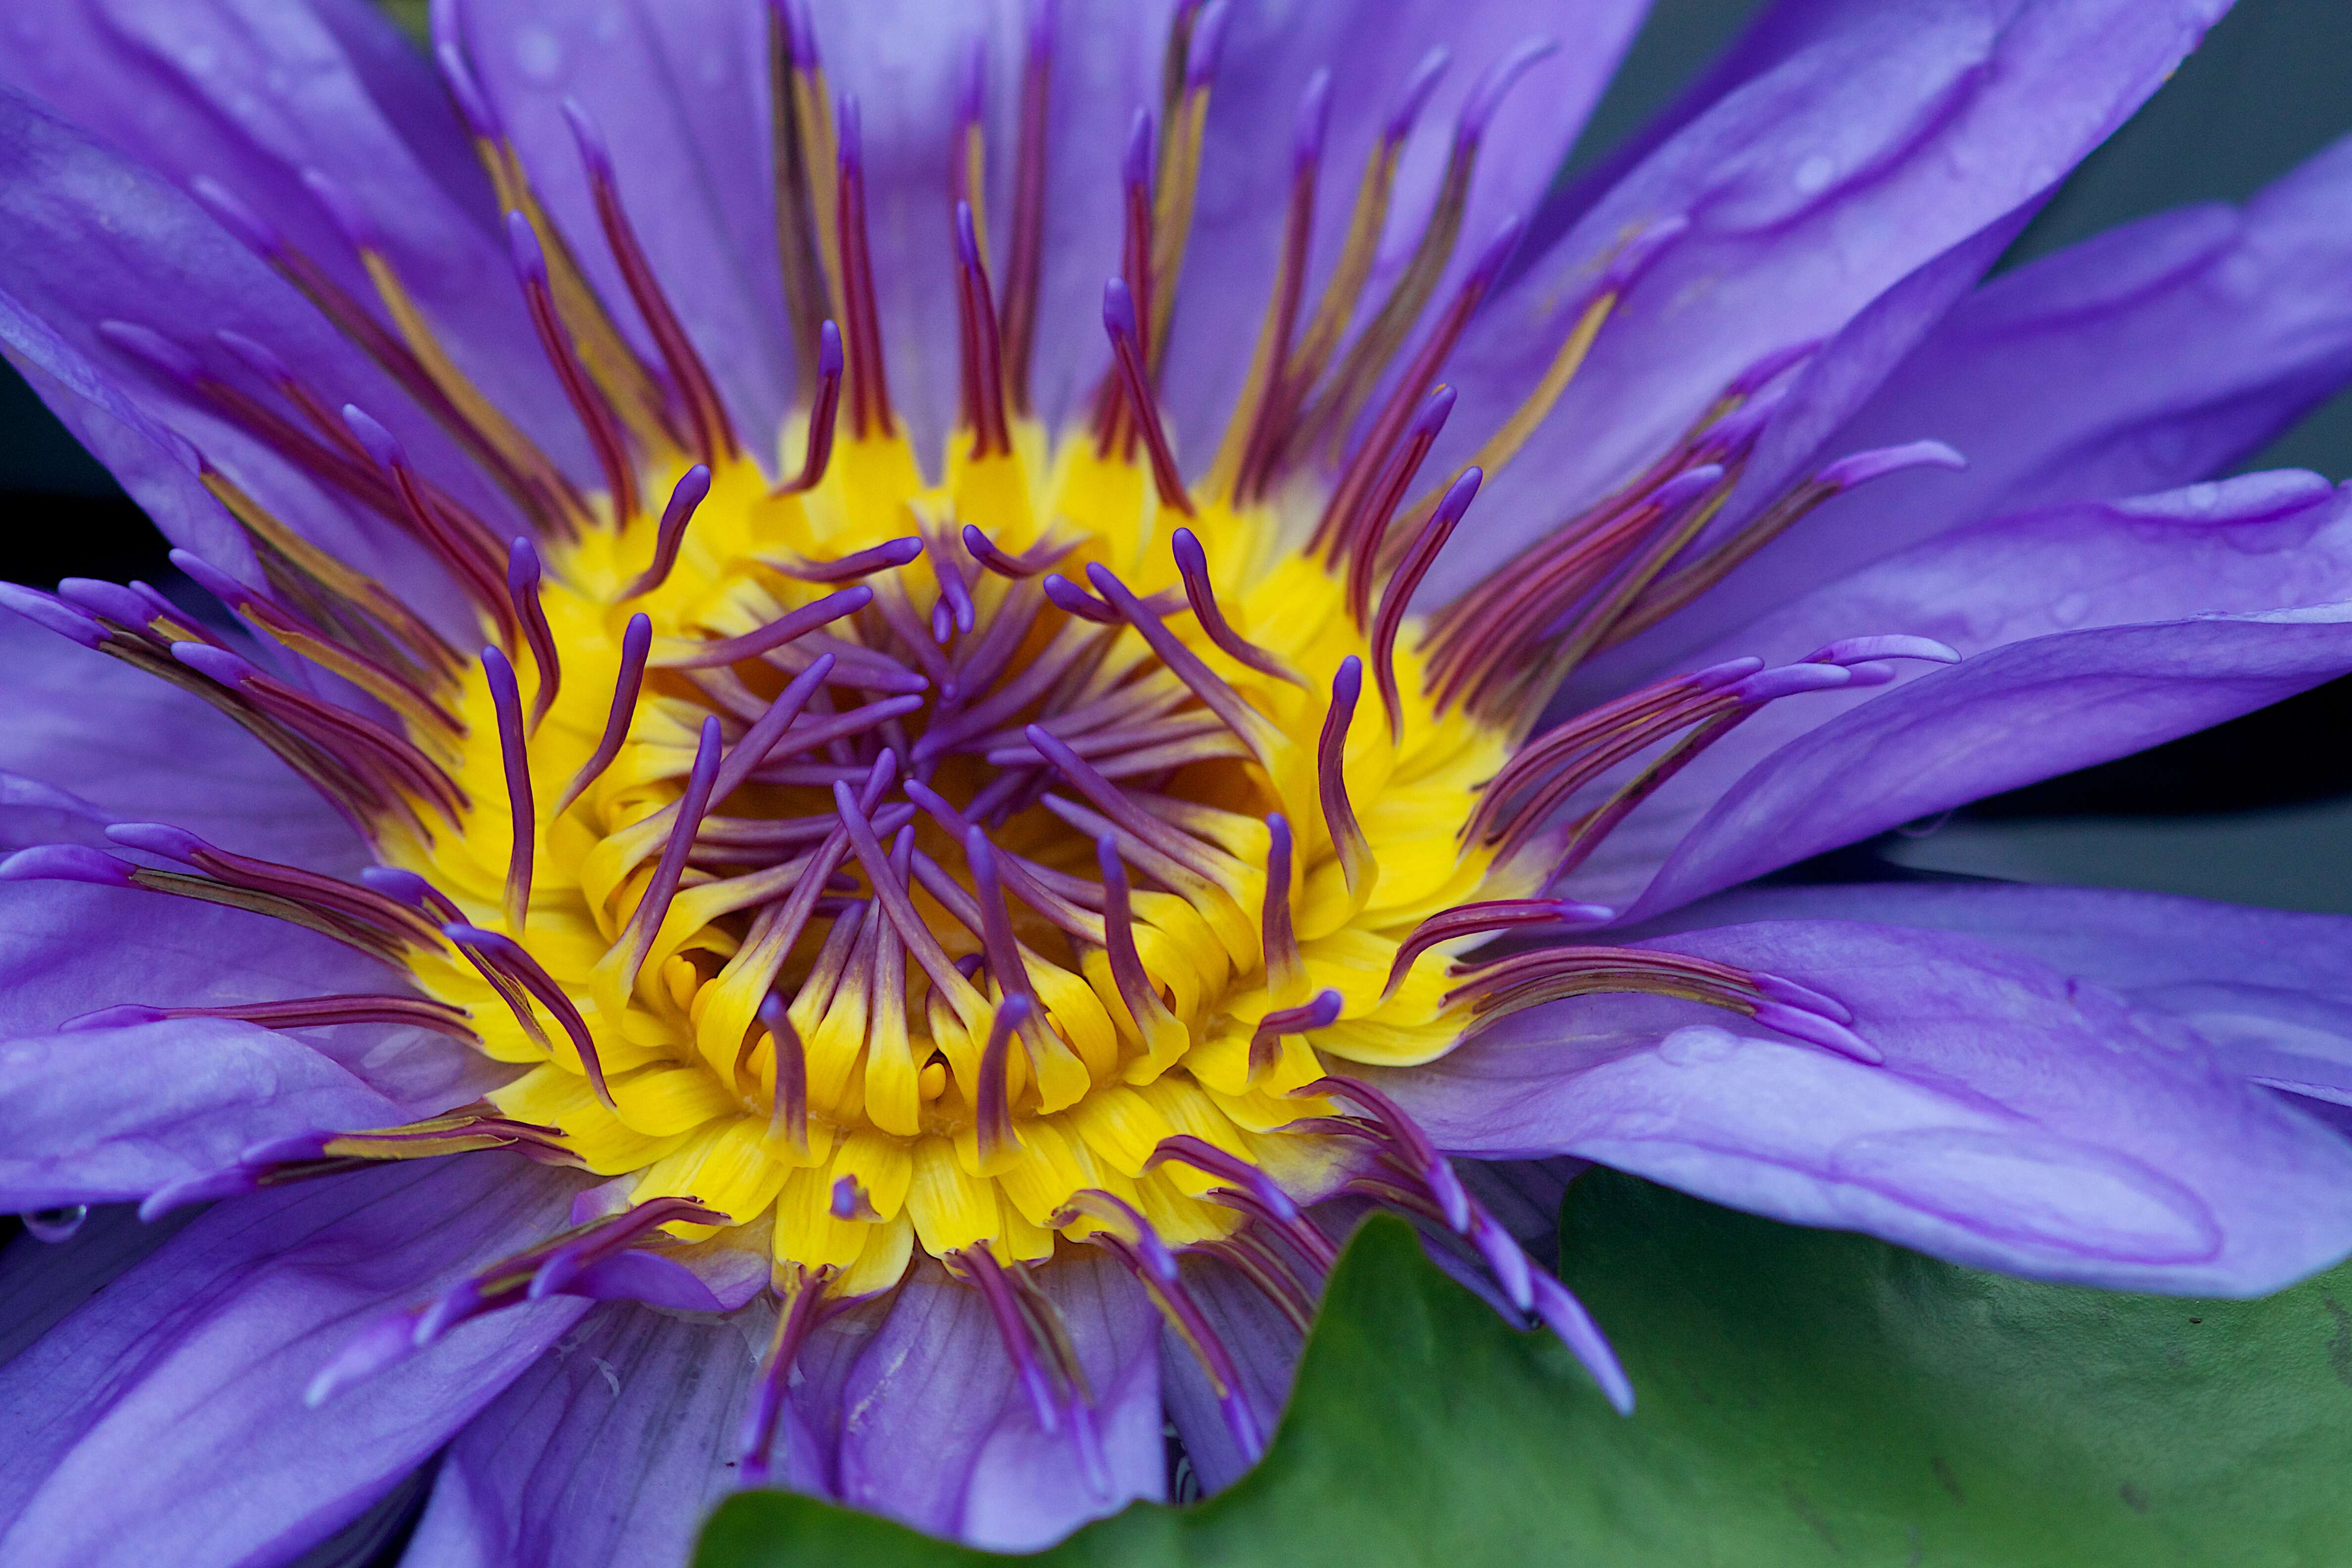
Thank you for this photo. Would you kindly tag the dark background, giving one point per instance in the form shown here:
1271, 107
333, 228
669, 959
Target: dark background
2258, 811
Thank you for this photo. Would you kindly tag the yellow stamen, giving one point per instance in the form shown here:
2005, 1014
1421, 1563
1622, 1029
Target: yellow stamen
889, 1029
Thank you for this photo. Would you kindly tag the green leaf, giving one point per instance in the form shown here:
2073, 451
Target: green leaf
1816, 1396
1807, 1397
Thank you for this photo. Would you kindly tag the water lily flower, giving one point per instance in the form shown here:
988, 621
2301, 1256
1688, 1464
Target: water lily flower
876, 705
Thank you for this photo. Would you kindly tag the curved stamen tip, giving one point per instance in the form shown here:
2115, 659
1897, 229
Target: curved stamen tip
971, 95
158, 839
52, 614
1313, 124
800, 31
828, 347
215, 663
210, 578
159, 352
1789, 681
123, 1016
1208, 44
1779, 988
1566, 1316
966, 241
1072, 600
1499, 249
472, 105
66, 863
388, 1340
1684, 487
1459, 495
1769, 368
522, 565
350, 220
1815, 1028
1896, 645
1736, 431
379, 442
588, 137
1863, 467
1415, 96
1487, 97
1118, 309
230, 211
850, 1202
850, 140
1135, 167
523, 247
692, 489
1635, 257
1042, 17
110, 601
397, 883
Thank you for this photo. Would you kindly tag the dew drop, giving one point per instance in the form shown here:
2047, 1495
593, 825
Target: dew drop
1814, 174
539, 54
1697, 1045
57, 1224
2070, 609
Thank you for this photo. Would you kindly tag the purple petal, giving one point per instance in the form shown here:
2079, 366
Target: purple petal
43, 1282
2026, 1120
164, 1421
256, 93
1897, 134
1525, 1196
937, 1433
720, 1281
1105, 65
2271, 990
2090, 631
96, 238
680, 91
104, 1115
1265, 1345
33, 812
2142, 359
906, 61
119, 429
67, 949
608, 1452
129, 746
1372, 52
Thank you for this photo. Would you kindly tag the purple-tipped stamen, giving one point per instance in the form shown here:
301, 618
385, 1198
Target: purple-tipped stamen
490, 949
784, 628
692, 488
824, 414
1143, 405
637, 642
522, 590
514, 754
1321, 1012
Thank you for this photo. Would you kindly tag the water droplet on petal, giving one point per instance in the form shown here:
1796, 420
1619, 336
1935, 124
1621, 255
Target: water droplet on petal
539, 54
57, 1224
1697, 1045
1814, 174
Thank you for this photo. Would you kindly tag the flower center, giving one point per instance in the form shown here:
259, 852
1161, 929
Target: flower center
973, 865
960, 846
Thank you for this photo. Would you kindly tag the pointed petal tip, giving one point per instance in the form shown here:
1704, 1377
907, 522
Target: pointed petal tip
52, 613
66, 863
